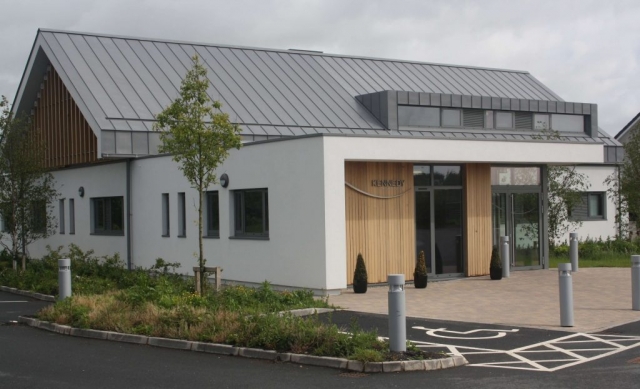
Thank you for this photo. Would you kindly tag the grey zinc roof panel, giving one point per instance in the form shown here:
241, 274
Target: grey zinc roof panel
352, 108
285, 92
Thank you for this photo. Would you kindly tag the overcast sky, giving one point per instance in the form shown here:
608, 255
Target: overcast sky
585, 51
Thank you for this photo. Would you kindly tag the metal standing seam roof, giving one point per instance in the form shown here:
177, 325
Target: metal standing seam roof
124, 82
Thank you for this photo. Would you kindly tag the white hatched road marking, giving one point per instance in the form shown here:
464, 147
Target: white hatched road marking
613, 343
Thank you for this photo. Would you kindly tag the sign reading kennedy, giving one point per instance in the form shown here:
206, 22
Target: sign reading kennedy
388, 183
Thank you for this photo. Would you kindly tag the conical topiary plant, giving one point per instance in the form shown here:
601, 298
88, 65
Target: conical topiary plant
420, 274
360, 279
495, 268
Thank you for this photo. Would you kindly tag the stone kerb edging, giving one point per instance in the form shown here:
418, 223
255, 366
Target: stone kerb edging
225, 349
37, 296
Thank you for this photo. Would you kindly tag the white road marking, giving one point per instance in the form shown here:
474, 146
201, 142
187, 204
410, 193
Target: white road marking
433, 332
525, 356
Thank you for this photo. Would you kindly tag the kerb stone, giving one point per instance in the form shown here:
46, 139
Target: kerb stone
127, 338
170, 343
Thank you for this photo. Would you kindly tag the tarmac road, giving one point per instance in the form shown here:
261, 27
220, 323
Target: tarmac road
32, 358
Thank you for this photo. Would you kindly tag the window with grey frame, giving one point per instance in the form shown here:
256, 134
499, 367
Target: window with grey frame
166, 222
61, 211
213, 214
72, 217
251, 213
182, 215
592, 206
107, 215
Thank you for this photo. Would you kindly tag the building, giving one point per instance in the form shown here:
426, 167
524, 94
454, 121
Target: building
343, 155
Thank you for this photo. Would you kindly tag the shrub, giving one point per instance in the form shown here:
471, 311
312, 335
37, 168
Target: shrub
360, 278
421, 265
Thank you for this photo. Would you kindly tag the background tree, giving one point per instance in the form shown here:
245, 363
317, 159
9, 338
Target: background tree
27, 190
199, 136
630, 175
614, 193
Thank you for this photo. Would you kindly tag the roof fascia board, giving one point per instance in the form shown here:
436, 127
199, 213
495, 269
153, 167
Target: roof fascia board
629, 126
279, 50
27, 71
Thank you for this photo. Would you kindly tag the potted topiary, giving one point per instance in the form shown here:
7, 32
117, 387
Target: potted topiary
420, 274
360, 279
495, 268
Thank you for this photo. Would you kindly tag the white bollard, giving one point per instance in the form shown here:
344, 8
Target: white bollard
397, 317
64, 278
504, 253
573, 251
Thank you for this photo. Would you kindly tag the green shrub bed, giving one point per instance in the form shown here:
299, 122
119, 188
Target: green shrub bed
598, 253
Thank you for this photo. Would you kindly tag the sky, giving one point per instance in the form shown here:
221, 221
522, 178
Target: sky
585, 51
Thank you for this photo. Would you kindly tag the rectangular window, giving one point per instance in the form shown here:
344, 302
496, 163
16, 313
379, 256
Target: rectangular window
504, 120
418, 116
39, 216
541, 122
502, 175
108, 215
182, 216
213, 214
166, 225
61, 206
451, 117
591, 207
251, 208
72, 216
567, 123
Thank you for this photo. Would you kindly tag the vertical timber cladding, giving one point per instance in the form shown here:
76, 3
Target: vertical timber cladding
380, 218
478, 238
58, 123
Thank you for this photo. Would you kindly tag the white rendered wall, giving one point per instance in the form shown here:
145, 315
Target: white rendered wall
293, 256
98, 181
597, 228
337, 150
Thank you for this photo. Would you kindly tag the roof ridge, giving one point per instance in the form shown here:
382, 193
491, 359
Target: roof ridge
320, 54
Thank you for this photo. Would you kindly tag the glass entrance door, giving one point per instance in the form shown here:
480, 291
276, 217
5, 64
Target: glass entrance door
517, 215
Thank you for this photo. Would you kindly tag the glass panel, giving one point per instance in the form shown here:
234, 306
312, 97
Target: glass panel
117, 213
423, 226
213, 218
488, 119
447, 176
450, 118
595, 205
253, 212
418, 116
526, 225
504, 120
499, 219
567, 123
266, 211
541, 122
515, 175
98, 208
448, 225
238, 211
421, 175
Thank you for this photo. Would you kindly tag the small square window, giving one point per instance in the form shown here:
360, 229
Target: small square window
107, 215
504, 120
251, 208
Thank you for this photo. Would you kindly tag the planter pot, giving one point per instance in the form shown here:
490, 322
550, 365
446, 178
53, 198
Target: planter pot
420, 281
495, 273
360, 288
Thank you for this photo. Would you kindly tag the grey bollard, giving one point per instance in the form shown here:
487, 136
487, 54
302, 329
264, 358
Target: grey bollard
504, 253
397, 317
635, 282
573, 251
566, 294
64, 278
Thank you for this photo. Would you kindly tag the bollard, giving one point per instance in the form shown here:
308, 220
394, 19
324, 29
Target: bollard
397, 318
635, 282
573, 251
566, 294
64, 278
504, 253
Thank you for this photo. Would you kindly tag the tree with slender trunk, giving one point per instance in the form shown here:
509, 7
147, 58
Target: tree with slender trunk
27, 189
198, 135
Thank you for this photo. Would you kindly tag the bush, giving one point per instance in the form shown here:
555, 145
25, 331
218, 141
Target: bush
421, 265
360, 278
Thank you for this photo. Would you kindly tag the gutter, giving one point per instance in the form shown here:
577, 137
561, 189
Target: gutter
128, 210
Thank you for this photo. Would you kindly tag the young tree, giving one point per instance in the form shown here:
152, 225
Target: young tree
27, 190
614, 193
630, 174
199, 136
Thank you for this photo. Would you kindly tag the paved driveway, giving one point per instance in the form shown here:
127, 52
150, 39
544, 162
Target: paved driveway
602, 299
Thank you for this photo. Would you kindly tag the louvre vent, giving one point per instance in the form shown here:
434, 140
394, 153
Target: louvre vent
473, 118
524, 121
